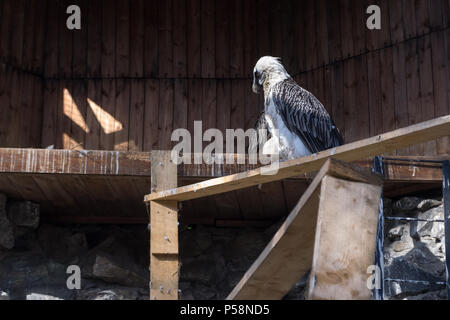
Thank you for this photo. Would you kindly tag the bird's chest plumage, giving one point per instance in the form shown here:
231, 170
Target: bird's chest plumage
291, 146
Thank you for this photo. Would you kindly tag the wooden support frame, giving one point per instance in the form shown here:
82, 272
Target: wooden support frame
386, 142
164, 264
340, 195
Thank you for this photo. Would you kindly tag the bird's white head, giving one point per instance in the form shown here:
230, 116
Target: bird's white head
267, 72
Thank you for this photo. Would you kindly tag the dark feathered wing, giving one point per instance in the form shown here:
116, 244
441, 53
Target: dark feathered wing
303, 114
261, 124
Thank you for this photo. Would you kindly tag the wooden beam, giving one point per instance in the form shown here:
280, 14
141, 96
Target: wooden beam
82, 162
164, 265
345, 240
379, 144
124, 163
289, 255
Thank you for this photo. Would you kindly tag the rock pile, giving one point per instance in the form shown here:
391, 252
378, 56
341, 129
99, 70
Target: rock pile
113, 260
414, 250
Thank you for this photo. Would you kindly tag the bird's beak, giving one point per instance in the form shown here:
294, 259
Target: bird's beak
256, 87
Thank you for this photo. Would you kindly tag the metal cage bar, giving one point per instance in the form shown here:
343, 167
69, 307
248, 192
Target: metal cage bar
446, 198
379, 255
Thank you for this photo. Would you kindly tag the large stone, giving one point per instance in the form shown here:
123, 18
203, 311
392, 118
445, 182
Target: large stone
433, 295
419, 265
116, 270
40, 296
24, 213
62, 244
4, 295
400, 241
203, 292
6, 227
407, 204
428, 204
199, 270
113, 293
433, 228
111, 261
20, 271
414, 250
26, 239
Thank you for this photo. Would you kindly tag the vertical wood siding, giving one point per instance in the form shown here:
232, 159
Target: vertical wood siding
139, 69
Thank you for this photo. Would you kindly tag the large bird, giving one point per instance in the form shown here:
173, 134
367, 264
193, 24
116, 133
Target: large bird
292, 114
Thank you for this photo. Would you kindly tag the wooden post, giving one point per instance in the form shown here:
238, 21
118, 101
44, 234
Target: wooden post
345, 240
164, 271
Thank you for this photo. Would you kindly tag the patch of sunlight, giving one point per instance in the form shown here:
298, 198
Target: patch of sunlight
106, 121
72, 111
69, 143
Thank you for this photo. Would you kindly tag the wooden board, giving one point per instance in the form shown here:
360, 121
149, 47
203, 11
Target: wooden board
345, 239
122, 163
107, 195
350, 152
289, 254
80, 162
164, 266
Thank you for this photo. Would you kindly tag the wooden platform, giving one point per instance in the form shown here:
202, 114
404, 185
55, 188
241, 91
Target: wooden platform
80, 186
320, 233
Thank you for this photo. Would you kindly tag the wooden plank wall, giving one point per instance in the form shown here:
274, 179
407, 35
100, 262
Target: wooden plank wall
148, 67
22, 31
